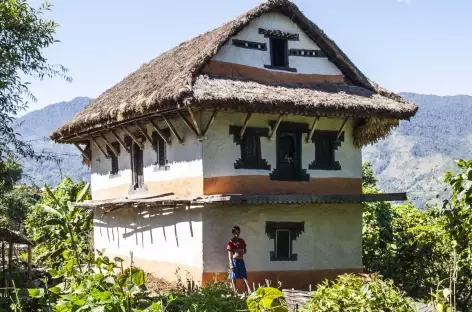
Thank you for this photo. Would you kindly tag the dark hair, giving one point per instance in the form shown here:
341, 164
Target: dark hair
235, 228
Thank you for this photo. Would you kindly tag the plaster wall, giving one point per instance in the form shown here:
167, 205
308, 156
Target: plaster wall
220, 152
183, 177
160, 243
332, 239
257, 58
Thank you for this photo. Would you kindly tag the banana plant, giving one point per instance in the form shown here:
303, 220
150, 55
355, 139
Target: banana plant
66, 227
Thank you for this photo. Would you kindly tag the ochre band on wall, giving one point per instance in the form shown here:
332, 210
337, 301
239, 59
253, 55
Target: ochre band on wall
266, 76
299, 279
260, 184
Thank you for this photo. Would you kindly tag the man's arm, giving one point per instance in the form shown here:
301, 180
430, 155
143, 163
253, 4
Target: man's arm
230, 259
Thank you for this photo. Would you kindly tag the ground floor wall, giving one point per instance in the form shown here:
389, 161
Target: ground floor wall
160, 243
330, 243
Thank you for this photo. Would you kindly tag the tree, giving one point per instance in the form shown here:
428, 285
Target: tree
24, 34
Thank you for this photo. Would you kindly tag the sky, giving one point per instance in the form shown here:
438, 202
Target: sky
421, 46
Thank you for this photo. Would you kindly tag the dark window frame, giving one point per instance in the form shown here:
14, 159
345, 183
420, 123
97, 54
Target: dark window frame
251, 141
326, 146
274, 55
137, 174
160, 147
272, 230
115, 168
297, 130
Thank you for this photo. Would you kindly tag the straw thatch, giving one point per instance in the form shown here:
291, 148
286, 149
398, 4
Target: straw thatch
172, 80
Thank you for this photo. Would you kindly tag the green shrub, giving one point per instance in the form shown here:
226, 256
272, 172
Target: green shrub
358, 293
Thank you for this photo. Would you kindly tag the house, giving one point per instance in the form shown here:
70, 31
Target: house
258, 123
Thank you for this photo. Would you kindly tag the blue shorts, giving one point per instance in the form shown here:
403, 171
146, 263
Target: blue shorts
239, 271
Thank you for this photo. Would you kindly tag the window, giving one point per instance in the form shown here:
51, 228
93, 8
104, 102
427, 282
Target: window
284, 234
160, 146
250, 144
326, 145
113, 158
137, 166
289, 153
279, 52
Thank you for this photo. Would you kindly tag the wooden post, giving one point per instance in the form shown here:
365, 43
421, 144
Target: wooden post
212, 118
112, 149
159, 132
122, 143
246, 121
144, 131
194, 120
10, 257
313, 128
139, 143
277, 124
172, 129
30, 258
3, 266
342, 128
99, 147
82, 151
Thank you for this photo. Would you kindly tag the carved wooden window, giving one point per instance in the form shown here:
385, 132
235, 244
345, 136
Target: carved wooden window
160, 146
289, 152
284, 234
251, 155
326, 145
114, 158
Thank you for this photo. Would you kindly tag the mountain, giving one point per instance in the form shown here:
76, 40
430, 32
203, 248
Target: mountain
35, 127
413, 158
416, 155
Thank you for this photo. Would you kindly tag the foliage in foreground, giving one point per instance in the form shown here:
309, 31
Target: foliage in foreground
424, 251
358, 293
48, 222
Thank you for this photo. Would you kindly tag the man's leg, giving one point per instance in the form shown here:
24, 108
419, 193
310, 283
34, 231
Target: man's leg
233, 285
247, 286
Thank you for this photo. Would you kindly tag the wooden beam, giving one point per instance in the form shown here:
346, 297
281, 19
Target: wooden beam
159, 132
172, 129
187, 122
99, 147
274, 130
134, 138
122, 143
112, 149
342, 128
194, 120
82, 151
313, 128
246, 121
144, 131
212, 118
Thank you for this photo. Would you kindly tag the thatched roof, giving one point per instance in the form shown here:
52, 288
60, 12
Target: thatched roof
173, 79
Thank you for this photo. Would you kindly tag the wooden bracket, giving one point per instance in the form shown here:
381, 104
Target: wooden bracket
274, 129
246, 121
122, 143
144, 131
212, 118
112, 149
194, 120
99, 147
172, 129
187, 122
342, 128
159, 132
82, 151
134, 138
313, 128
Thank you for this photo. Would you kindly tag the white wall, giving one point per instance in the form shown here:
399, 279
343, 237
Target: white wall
220, 152
332, 237
155, 239
256, 58
185, 161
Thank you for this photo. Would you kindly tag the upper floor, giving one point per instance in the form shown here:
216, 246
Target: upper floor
278, 154
265, 104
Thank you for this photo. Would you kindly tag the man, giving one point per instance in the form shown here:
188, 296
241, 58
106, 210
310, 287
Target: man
236, 249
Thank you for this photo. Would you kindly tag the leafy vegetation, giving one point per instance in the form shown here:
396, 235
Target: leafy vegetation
424, 251
24, 34
358, 293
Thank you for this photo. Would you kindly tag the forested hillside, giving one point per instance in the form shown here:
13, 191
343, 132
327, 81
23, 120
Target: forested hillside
36, 127
412, 159
416, 155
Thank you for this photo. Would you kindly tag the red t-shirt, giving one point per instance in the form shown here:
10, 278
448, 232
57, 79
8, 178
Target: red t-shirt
241, 244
